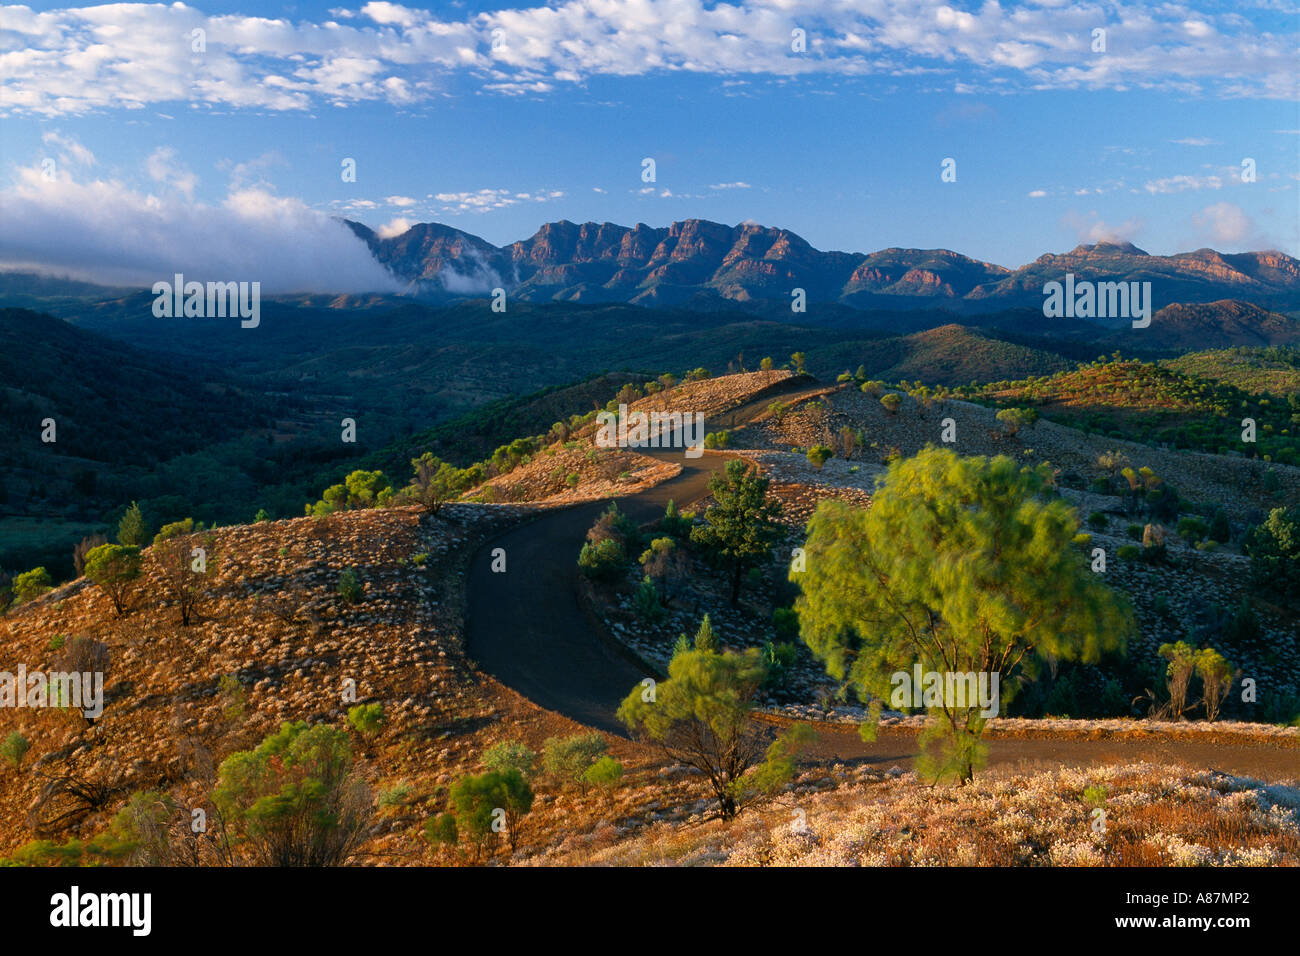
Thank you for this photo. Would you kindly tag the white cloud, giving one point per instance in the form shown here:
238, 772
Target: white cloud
1178, 184
394, 227
402, 201
164, 168
103, 230
1090, 228
485, 200
1225, 222
1037, 194
736, 185
1195, 141
68, 149
130, 55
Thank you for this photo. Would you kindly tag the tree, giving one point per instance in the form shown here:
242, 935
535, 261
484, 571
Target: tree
797, 362
892, 402
960, 565
1274, 549
483, 803
131, 529
295, 800
511, 755
114, 567
1182, 659
1014, 419
1216, 677
740, 528
566, 759
31, 584
185, 567
434, 483
702, 716
605, 774
818, 455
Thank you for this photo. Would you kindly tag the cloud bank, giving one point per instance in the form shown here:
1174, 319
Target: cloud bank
130, 56
103, 231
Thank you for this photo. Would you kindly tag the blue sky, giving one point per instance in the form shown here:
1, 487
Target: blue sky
1055, 144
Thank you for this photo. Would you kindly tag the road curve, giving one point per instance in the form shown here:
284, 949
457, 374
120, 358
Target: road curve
526, 627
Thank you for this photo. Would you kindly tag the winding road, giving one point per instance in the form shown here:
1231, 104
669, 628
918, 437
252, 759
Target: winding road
526, 627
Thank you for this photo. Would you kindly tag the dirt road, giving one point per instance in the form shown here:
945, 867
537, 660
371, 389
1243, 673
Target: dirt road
527, 628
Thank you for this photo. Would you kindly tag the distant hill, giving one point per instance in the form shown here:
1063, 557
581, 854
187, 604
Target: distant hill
1260, 371
949, 355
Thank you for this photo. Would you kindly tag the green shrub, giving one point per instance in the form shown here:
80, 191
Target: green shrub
566, 759
786, 622
605, 775
114, 568
482, 803
295, 800
14, 748
780, 660
646, 600
366, 719
397, 795
818, 455
511, 755
349, 587
31, 584
1097, 521
603, 560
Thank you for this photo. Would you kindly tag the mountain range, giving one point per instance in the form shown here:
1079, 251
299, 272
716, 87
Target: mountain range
701, 264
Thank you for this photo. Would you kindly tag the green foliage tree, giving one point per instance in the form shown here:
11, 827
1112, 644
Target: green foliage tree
702, 716
1216, 677
295, 800
115, 568
349, 586
818, 455
1014, 419
489, 803
566, 759
605, 775
31, 584
1182, 659
740, 528
366, 719
511, 755
131, 529
797, 361
961, 565
892, 402
665, 564
1274, 549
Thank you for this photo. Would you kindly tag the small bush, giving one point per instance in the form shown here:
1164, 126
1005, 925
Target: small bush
366, 719
511, 755
349, 588
566, 759
14, 748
